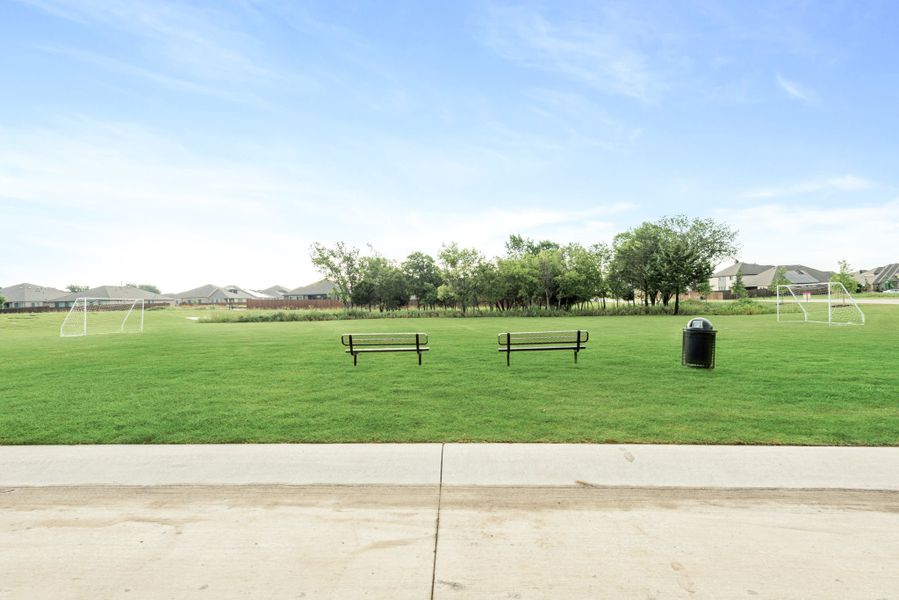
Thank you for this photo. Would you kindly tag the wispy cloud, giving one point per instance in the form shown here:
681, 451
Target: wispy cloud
824, 186
111, 186
796, 91
779, 233
606, 52
175, 40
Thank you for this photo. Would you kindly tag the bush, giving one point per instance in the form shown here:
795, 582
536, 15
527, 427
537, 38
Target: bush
744, 306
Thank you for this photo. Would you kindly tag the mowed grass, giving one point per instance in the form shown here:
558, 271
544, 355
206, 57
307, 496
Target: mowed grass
183, 381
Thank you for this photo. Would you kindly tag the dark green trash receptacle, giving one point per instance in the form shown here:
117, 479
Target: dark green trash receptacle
699, 344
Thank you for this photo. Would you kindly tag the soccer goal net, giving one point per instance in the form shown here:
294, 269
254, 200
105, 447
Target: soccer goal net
828, 303
94, 316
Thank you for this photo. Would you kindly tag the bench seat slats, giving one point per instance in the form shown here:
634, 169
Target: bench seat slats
524, 341
525, 348
358, 343
412, 349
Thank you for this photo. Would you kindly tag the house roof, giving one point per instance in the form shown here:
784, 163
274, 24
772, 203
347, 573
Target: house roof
204, 291
886, 273
793, 273
28, 292
275, 291
745, 268
235, 291
322, 287
113, 291
209, 290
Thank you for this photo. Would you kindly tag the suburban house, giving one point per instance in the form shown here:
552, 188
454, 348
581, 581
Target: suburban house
109, 292
276, 291
759, 277
214, 294
28, 295
879, 279
320, 290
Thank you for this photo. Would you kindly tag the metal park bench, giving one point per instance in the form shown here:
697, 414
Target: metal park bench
357, 343
523, 341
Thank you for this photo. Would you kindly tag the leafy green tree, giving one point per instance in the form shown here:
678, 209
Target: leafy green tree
549, 269
516, 282
2, 300
74, 287
737, 288
780, 278
518, 246
341, 265
423, 277
637, 261
582, 278
688, 252
381, 284
844, 276
459, 270
703, 288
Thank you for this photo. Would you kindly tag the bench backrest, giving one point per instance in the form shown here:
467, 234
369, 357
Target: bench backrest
536, 338
363, 340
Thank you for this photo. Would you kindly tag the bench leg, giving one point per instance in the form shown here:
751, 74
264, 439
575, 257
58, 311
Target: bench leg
575, 357
419, 359
508, 355
354, 358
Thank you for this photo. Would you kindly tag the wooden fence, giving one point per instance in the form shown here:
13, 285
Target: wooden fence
278, 303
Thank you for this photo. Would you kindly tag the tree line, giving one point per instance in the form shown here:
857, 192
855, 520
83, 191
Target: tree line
655, 262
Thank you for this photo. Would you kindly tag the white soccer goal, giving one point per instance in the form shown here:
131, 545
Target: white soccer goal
828, 303
94, 316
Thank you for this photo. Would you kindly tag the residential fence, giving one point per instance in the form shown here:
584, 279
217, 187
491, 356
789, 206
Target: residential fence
279, 303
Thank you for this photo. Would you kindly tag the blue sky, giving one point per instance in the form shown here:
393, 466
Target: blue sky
185, 143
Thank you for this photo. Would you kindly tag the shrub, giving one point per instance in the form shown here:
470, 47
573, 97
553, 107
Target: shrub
744, 306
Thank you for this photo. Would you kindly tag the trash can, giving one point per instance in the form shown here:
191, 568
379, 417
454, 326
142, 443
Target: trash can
699, 344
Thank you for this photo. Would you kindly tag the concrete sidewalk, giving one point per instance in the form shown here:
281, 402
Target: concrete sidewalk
449, 521
784, 467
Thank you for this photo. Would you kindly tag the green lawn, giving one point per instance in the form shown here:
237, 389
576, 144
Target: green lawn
183, 381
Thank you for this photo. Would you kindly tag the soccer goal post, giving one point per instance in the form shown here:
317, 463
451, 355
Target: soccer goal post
95, 316
829, 303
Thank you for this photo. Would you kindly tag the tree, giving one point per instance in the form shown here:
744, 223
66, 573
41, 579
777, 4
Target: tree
460, 266
2, 300
74, 287
780, 278
341, 266
689, 250
637, 263
737, 288
844, 276
582, 278
518, 246
549, 268
423, 277
381, 284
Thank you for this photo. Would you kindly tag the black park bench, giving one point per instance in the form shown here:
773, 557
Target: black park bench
357, 343
523, 341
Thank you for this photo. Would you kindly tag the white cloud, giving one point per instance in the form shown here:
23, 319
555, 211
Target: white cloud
796, 91
606, 53
185, 45
863, 234
825, 186
101, 202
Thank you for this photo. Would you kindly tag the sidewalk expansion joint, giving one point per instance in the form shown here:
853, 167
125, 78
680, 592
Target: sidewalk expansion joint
437, 525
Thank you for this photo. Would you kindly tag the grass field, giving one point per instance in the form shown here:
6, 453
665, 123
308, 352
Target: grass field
183, 381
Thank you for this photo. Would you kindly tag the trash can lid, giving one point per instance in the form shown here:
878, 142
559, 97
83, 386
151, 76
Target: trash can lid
699, 323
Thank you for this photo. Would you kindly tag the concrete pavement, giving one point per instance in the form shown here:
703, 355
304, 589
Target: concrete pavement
454, 521
790, 467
